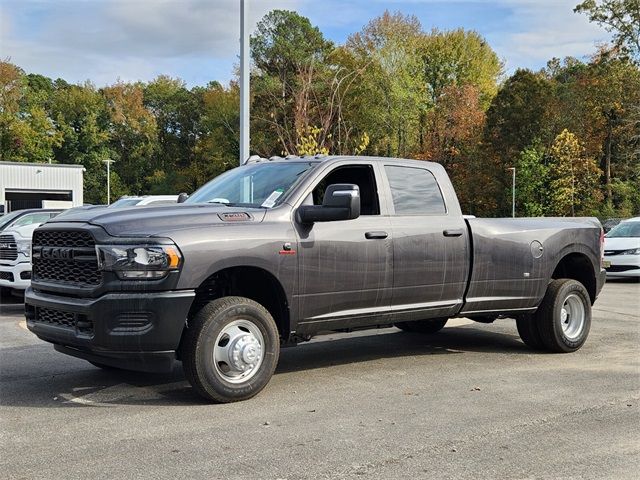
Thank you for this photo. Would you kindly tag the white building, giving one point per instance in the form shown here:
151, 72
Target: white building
39, 185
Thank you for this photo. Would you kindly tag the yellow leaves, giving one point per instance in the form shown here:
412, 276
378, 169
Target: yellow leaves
364, 143
574, 177
309, 141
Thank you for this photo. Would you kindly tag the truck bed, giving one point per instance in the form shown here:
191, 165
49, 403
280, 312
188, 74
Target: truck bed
512, 259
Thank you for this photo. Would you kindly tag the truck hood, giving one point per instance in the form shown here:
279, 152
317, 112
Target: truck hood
149, 221
24, 232
621, 243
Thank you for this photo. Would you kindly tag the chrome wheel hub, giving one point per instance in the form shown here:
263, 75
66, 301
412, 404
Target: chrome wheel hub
238, 351
572, 317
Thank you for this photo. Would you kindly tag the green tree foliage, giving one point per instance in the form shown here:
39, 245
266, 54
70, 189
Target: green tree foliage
531, 187
392, 89
622, 17
459, 57
292, 61
26, 130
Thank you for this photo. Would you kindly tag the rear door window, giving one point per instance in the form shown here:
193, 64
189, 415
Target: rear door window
415, 191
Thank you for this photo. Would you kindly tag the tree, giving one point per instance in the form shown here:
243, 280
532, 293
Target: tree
133, 135
392, 89
518, 113
596, 101
80, 115
532, 182
459, 57
290, 84
177, 112
27, 133
573, 178
622, 17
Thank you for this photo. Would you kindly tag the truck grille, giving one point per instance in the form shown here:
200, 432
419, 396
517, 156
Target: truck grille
67, 257
62, 319
8, 247
8, 276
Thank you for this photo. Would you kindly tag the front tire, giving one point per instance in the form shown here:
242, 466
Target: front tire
230, 349
423, 326
564, 316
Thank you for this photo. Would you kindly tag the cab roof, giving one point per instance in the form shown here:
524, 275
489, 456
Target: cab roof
327, 158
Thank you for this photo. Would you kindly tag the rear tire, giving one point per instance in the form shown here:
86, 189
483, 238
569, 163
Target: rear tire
423, 326
563, 319
230, 349
528, 331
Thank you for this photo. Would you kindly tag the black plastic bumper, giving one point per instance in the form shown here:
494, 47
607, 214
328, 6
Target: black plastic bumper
137, 331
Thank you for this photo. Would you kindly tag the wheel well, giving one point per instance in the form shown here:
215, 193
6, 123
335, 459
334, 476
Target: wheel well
578, 267
250, 282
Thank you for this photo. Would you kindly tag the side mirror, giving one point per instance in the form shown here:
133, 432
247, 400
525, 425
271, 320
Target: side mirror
341, 202
182, 197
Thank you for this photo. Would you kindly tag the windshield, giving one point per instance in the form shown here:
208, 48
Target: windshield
124, 202
31, 218
625, 230
256, 185
5, 220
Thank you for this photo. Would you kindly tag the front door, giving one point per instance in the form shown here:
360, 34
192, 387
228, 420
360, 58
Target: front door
345, 267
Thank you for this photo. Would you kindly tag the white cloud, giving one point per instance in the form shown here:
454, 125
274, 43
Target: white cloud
545, 29
127, 39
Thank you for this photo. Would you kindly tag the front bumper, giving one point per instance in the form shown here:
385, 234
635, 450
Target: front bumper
623, 266
16, 276
137, 331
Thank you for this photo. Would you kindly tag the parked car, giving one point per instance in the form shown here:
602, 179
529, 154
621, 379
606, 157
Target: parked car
144, 200
622, 250
71, 211
26, 217
277, 251
15, 249
609, 223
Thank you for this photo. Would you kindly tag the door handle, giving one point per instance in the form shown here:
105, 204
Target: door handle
453, 233
375, 235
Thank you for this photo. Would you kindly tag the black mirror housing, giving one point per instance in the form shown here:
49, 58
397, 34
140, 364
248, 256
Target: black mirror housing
341, 202
182, 197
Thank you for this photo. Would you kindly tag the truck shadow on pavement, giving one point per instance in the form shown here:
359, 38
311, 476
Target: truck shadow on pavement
56, 381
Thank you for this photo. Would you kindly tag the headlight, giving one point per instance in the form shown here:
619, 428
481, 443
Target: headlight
137, 262
633, 251
24, 247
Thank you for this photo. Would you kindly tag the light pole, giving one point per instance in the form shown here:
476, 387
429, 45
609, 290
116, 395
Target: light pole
108, 162
513, 192
244, 81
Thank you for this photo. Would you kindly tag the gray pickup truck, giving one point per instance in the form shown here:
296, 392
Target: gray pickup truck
278, 250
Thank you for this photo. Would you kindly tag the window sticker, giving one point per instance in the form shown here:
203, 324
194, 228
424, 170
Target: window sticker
271, 199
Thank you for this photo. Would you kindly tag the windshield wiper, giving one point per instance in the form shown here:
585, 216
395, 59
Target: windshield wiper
232, 204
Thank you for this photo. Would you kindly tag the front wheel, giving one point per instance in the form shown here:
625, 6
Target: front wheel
563, 319
230, 349
423, 326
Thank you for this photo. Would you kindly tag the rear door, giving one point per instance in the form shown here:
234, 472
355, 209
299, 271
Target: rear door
430, 245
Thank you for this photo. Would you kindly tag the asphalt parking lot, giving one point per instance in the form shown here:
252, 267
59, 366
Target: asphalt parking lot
469, 402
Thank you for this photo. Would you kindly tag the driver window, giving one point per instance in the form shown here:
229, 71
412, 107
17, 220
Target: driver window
361, 175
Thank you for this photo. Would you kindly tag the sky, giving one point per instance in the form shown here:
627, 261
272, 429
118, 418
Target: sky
198, 40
